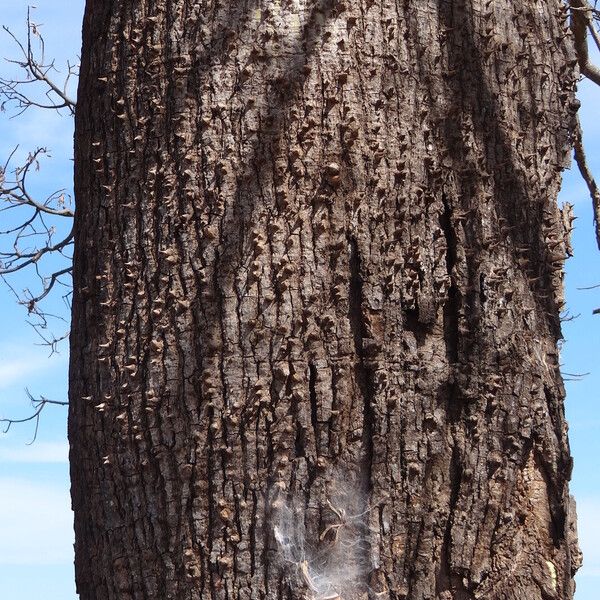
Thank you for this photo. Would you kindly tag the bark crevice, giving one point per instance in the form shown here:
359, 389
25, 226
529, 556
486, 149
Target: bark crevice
363, 370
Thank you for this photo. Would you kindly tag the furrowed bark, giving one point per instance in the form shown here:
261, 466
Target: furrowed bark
318, 276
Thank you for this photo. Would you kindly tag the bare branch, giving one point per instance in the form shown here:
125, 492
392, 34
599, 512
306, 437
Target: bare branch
594, 33
38, 404
34, 223
51, 341
586, 173
33, 257
567, 316
32, 237
54, 278
591, 287
15, 193
573, 376
37, 71
581, 21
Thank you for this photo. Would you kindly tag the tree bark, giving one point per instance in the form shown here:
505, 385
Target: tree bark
318, 276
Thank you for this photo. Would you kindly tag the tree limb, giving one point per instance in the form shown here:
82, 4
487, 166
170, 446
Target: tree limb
581, 21
586, 173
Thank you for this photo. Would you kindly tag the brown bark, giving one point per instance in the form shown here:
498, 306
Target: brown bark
317, 292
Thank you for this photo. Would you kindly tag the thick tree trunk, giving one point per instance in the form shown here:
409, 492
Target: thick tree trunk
317, 292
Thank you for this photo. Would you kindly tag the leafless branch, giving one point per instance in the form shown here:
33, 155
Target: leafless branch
594, 32
37, 70
591, 287
573, 376
26, 259
54, 278
35, 226
566, 317
15, 192
581, 23
38, 405
586, 173
31, 235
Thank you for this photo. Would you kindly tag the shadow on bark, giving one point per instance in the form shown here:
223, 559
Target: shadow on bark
519, 216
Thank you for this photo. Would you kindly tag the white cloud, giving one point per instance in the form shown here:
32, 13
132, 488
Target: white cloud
36, 523
21, 368
39, 452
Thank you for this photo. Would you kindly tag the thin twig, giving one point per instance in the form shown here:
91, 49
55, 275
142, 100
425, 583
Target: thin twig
53, 279
39, 72
590, 287
33, 257
39, 404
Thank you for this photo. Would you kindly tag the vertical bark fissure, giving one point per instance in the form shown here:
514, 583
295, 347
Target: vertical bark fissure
447, 579
314, 403
452, 304
363, 371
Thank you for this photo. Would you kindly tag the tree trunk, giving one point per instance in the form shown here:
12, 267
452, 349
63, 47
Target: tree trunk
318, 276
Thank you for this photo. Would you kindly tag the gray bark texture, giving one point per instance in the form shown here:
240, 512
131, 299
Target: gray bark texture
318, 276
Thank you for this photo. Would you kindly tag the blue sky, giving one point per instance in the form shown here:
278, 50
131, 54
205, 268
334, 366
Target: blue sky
35, 520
